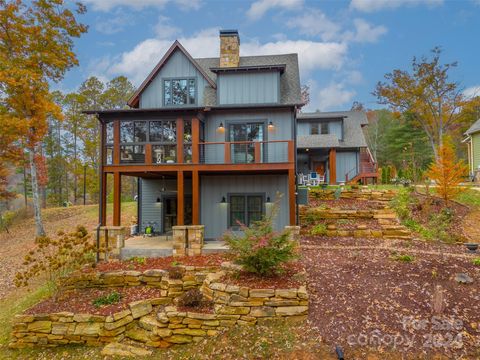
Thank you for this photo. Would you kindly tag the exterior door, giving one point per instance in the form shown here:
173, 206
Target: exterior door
320, 168
170, 212
245, 153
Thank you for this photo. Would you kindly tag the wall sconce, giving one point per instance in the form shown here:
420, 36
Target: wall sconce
270, 125
158, 200
268, 199
220, 127
307, 150
224, 201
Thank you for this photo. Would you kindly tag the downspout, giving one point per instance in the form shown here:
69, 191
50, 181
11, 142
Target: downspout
100, 197
295, 163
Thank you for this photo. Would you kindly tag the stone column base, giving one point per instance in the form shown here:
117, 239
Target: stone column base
116, 240
188, 240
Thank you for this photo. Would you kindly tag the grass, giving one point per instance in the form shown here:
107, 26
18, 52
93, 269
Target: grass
469, 197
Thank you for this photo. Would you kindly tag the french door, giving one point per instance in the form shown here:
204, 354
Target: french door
246, 132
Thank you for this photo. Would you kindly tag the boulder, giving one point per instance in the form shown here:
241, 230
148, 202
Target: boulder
140, 308
138, 334
463, 278
117, 349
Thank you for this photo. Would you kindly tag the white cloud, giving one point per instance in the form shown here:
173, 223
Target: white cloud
137, 62
164, 29
113, 24
472, 92
314, 22
260, 7
365, 32
107, 5
377, 5
331, 97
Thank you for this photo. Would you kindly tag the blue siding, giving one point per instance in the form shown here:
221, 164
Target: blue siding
335, 127
214, 214
248, 88
151, 211
178, 66
347, 162
282, 130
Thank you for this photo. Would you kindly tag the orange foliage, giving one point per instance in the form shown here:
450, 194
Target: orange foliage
447, 172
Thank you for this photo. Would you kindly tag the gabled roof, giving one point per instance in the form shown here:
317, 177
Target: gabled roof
134, 100
353, 136
474, 128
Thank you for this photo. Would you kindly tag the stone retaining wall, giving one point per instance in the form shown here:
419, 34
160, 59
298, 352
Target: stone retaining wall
157, 323
193, 277
361, 194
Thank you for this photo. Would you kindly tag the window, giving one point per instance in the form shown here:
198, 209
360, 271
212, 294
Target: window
245, 209
132, 154
313, 129
242, 137
163, 131
179, 92
324, 128
109, 133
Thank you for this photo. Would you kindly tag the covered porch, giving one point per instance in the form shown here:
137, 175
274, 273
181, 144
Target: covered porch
323, 161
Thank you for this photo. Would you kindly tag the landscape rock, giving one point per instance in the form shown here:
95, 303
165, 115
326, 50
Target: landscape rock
117, 349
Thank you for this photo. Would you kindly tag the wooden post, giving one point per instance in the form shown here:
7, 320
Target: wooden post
180, 198
180, 140
291, 151
103, 199
148, 154
292, 202
195, 198
257, 152
332, 166
227, 157
117, 198
116, 142
195, 140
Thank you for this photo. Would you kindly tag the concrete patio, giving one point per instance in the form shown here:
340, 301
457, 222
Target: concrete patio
162, 245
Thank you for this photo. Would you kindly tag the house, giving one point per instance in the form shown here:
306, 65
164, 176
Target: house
211, 141
473, 149
333, 145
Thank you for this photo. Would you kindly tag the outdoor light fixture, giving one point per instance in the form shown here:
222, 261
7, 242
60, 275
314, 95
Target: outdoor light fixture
224, 201
158, 200
270, 125
220, 127
268, 199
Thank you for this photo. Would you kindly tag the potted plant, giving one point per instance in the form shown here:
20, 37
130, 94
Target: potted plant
148, 230
169, 159
188, 158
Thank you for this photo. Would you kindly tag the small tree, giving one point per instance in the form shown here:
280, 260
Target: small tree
447, 172
261, 250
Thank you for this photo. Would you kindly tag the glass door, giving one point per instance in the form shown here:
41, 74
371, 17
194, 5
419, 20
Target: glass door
169, 213
250, 132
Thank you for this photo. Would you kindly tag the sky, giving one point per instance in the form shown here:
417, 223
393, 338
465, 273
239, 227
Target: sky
344, 46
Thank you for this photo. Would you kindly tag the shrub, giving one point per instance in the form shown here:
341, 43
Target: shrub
261, 250
175, 272
56, 257
319, 229
476, 261
402, 203
112, 298
403, 257
191, 298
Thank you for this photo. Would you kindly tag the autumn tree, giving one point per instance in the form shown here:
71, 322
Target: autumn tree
36, 48
447, 172
427, 95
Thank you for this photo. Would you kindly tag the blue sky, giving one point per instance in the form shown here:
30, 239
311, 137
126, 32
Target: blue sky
344, 47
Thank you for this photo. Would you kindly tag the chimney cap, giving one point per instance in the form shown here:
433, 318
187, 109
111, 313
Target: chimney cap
230, 32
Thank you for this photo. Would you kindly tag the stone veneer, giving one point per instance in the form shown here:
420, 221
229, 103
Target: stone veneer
188, 240
157, 323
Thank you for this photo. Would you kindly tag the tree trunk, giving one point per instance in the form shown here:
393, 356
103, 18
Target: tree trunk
35, 193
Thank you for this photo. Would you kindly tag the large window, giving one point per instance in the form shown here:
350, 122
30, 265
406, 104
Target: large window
179, 92
245, 209
243, 136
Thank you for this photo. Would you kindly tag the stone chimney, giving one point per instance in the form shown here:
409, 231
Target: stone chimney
229, 48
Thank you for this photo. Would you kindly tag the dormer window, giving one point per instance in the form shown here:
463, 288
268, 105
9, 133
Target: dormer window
319, 128
179, 92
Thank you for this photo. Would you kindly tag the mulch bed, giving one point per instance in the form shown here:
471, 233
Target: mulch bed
291, 277
80, 301
347, 204
355, 294
159, 263
426, 206
205, 307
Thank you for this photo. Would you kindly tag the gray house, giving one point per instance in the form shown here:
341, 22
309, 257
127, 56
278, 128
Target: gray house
212, 141
333, 145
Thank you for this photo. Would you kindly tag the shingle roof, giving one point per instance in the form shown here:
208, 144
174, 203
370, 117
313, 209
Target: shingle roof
289, 80
352, 130
474, 128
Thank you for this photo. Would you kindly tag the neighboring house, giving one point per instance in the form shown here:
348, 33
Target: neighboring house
473, 146
333, 144
212, 141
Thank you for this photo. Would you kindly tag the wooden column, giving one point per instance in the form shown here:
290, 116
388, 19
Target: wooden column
148, 154
179, 140
227, 157
117, 198
103, 199
116, 142
195, 198
195, 140
257, 152
292, 201
332, 166
180, 198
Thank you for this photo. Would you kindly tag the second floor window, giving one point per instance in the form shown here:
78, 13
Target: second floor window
319, 128
179, 92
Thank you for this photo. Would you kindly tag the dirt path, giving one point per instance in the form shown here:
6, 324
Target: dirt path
471, 226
